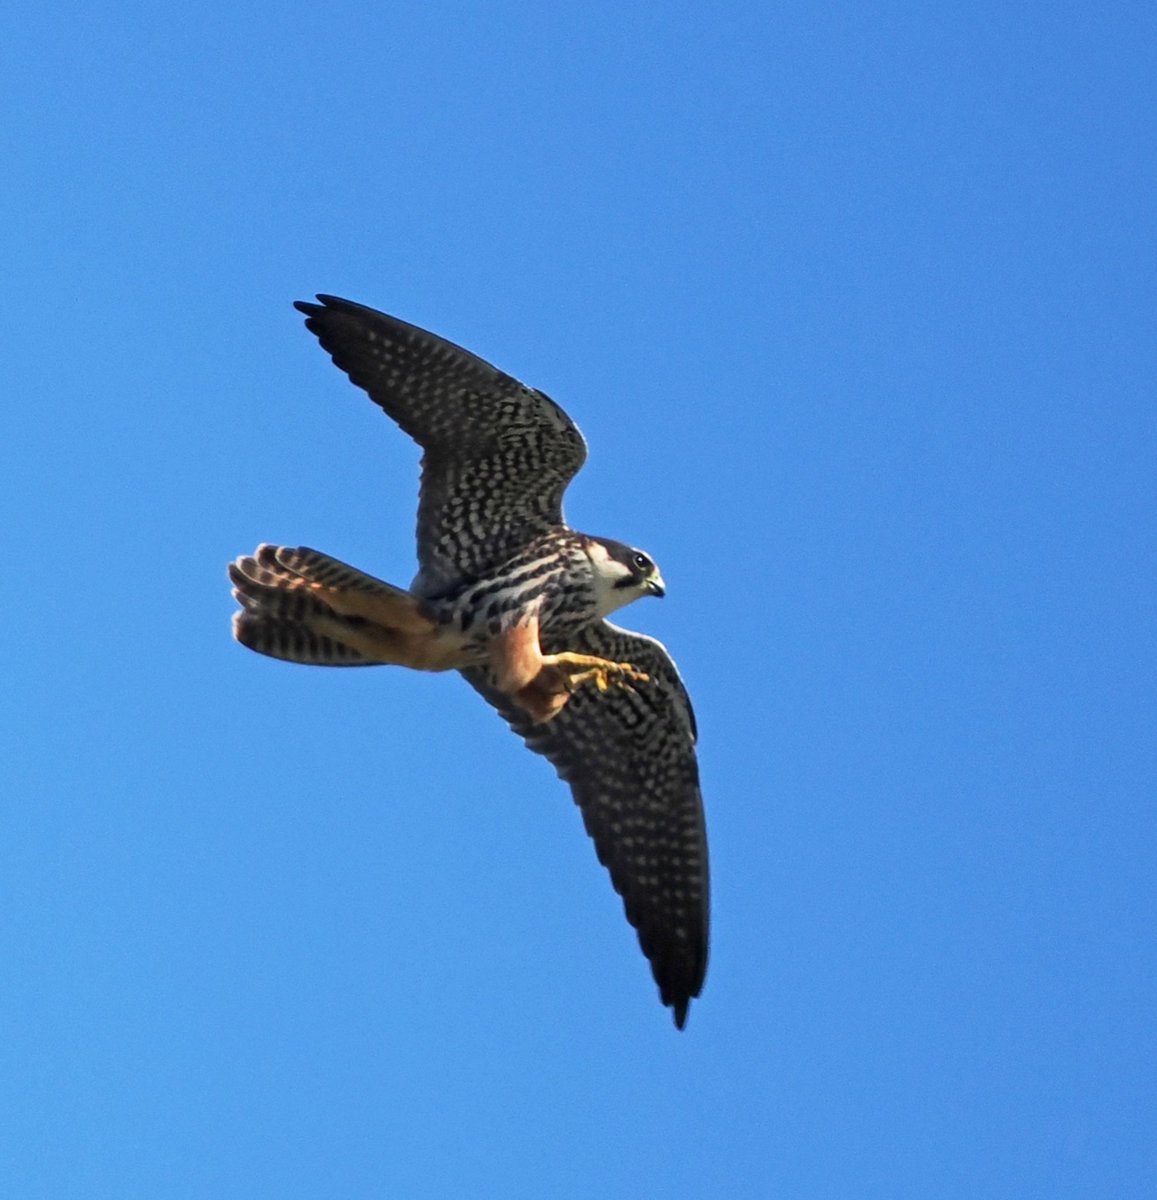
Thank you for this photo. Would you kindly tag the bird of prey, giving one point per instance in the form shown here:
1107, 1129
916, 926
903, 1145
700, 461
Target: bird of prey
516, 601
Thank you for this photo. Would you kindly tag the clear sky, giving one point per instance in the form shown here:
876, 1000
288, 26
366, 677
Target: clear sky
855, 305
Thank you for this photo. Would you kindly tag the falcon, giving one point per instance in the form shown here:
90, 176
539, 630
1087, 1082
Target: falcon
516, 601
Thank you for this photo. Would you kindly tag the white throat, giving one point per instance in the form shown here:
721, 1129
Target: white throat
607, 572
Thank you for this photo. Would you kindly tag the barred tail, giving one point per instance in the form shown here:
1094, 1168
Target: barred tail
294, 641
303, 606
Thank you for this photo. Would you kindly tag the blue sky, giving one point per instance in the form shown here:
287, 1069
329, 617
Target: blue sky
855, 305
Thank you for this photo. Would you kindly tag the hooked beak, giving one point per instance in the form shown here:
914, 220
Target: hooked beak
656, 586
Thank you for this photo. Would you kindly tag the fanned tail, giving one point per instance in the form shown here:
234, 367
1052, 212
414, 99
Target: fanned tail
303, 606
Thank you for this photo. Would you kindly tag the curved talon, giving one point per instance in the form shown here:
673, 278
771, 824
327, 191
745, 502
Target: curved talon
577, 669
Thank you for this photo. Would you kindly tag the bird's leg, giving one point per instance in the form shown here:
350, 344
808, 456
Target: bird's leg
578, 669
559, 676
541, 684
516, 658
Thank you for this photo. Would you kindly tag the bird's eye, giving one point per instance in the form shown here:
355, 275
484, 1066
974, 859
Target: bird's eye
642, 562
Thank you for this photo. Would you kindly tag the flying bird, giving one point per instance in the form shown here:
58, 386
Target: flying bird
515, 600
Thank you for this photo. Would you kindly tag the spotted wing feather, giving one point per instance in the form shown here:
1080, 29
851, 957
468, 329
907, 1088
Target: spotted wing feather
497, 454
629, 757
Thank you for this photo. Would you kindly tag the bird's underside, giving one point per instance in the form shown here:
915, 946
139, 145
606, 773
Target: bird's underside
511, 597
301, 605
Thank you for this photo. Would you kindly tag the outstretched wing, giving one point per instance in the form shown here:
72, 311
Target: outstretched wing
629, 757
497, 454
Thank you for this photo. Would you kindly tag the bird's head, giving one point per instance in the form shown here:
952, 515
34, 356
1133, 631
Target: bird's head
622, 574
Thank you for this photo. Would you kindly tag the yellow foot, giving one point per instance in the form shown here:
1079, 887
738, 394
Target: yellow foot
577, 669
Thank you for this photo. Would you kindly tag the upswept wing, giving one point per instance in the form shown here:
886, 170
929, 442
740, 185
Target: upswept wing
629, 757
497, 454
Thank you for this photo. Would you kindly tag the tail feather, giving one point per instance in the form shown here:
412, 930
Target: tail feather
302, 606
293, 641
320, 568
258, 593
342, 589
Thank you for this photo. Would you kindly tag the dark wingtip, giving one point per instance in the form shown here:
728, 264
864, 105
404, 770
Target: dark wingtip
308, 308
316, 314
679, 1011
325, 300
